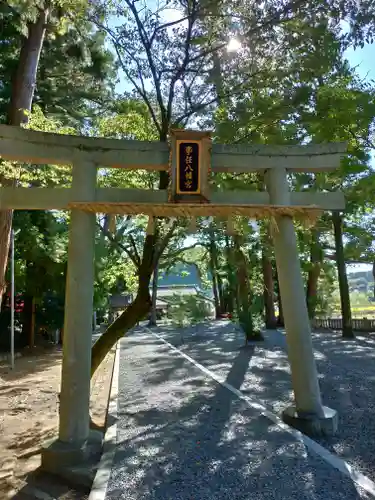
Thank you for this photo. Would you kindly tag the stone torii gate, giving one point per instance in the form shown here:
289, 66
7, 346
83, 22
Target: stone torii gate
190, 159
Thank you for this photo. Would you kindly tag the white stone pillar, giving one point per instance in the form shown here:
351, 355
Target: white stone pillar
76, 366
308, 405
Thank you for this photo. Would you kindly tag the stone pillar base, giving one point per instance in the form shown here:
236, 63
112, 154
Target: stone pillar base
75, 464
312, 425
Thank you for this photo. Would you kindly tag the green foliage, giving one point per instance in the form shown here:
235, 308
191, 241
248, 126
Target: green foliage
289, 83
77, 88
76, 72
361, 305
130, 119
188, 309
39, 175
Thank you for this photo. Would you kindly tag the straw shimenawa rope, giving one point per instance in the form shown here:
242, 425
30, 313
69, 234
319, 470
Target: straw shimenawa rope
307, 213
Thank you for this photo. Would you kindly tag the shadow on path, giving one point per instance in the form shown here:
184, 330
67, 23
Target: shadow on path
183, 436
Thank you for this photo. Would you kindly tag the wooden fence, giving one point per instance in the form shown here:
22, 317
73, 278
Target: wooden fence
361, 325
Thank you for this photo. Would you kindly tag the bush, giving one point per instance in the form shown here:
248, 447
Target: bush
186, 310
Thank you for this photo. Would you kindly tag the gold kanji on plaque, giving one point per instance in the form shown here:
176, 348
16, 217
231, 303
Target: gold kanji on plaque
190, 164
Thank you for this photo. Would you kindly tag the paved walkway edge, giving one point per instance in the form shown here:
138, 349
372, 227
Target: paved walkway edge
357, 477
99, 486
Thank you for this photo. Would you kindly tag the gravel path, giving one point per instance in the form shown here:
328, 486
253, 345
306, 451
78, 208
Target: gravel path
346, 373
182, 436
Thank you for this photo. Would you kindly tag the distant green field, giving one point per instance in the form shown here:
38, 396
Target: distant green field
358, 311
363, 308
360, 305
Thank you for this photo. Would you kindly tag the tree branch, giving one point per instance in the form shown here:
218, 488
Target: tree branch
139, 88
136, 254
164, 242
367, 142
165, 26
181, 70
200, 106
115, 242
275, 19
182, 250
146, 44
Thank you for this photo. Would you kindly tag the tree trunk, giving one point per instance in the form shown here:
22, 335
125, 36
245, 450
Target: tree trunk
219, 281
244, 292
213, 269
231, 292
27, 313
373, 274
27, 318
133, 313
5, 231
216, 296
127, 320
23, 86
105, 231
220, 291
154, 297
346, 313
316, 262
32, 325
268, 292
142, 303
280, 318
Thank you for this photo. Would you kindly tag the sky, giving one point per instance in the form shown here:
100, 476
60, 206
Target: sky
364, 61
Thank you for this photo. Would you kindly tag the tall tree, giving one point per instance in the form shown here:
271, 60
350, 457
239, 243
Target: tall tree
65, 86
311, 102
164, 65
169, 64
315, 266
76, 72
347, 327
23, 86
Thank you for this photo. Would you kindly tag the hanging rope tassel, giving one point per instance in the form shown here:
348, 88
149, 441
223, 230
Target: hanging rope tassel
150, 230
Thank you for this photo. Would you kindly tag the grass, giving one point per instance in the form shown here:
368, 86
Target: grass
366, 308
361, 307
